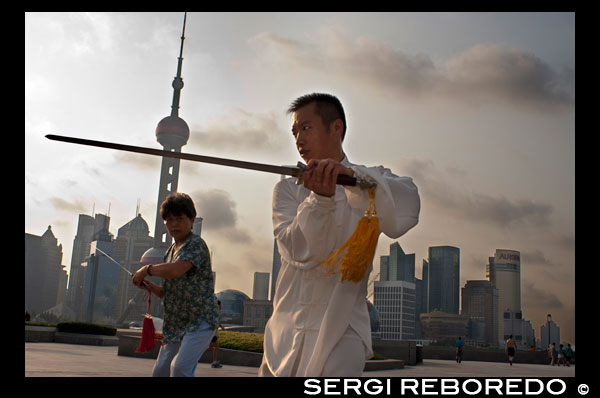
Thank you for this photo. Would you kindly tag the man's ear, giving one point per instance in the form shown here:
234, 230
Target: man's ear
337, 127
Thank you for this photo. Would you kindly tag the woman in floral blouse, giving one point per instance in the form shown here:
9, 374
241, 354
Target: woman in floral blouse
191, 312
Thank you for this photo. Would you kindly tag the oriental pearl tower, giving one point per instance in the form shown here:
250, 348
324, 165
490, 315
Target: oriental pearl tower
172, 133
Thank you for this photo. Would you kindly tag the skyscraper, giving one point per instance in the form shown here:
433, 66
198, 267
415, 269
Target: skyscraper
397, 266
396, 303
197, 227
101, 280
133, 239
480, 304
43, 271
81, 249
504, 272
443, 279
549, 333
384, 268
260, 290
506, 276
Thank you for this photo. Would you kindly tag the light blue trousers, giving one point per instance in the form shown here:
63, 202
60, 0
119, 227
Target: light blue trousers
180, 359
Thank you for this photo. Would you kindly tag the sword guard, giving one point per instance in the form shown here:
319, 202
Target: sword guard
300, 177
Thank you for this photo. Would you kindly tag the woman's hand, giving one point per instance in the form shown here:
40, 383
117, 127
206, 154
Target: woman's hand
157, 290
139, 276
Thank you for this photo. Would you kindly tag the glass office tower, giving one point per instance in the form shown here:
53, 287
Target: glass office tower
443, 279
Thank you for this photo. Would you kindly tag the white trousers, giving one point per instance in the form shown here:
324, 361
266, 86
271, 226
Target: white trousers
180, 359
347, 359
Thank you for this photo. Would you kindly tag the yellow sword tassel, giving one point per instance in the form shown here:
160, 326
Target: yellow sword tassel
355, 256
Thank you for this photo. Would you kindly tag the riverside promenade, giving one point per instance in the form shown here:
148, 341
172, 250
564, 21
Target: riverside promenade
72, 360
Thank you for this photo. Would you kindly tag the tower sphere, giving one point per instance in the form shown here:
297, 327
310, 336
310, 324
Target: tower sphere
154, 255
172, 131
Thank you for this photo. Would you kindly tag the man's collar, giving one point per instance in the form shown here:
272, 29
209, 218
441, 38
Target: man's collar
345, 161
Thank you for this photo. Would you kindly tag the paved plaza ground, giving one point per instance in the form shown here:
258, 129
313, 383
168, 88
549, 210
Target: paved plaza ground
70, 360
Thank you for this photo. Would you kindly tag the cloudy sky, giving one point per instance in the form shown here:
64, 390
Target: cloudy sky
478, 108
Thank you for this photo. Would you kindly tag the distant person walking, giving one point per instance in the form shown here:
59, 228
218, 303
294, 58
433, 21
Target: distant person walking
568, 354
511, 349
560, 354
554, 354
459, 348
214, 345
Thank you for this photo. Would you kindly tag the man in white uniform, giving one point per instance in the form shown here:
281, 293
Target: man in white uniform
320, 327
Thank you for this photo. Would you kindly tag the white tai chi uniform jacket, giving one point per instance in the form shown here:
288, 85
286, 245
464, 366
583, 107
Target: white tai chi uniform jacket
312, 310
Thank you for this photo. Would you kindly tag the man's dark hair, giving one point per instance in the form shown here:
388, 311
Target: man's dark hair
177, 204
327, 106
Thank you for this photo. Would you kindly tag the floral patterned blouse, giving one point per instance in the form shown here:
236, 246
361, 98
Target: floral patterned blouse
189, 299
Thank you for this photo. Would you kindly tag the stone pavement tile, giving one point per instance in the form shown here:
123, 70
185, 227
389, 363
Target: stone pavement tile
71, 360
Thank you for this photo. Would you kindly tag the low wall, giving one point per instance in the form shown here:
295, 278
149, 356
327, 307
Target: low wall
86, 339
384, 364
46, 334
485, 355
412, 355
39, 334
404, 350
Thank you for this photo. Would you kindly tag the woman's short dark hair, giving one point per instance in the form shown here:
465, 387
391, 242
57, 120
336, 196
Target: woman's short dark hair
326, 105
177, 204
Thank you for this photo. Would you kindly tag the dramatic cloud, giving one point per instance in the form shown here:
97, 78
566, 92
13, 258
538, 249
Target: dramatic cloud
218, 211
483, 73
535, 298
239, 130
494, 72
505, 212
216, 207
535, 257
61, 204
498, 210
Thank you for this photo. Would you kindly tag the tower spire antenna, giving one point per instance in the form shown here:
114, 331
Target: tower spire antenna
172, 132
178, 81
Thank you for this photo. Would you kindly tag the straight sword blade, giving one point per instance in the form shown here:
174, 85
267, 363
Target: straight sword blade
291, 171
120, 266
115, 261
268, 168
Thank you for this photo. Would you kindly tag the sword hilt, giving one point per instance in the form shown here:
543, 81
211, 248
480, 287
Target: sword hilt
342, 179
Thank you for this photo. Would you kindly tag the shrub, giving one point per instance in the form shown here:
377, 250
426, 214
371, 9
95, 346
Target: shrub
377, 357
86, 328
253, 342
29, 323
241, 341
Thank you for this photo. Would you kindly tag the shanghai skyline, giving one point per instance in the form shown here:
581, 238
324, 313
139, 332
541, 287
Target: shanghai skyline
477, 108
